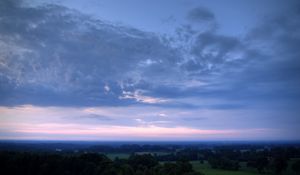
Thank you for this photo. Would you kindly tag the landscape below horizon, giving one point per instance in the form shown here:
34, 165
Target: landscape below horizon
149, 158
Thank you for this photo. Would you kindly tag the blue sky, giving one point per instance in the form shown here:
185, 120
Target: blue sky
149, 70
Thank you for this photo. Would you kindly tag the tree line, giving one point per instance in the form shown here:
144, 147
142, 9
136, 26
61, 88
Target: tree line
274, 160
88, 164
265, 159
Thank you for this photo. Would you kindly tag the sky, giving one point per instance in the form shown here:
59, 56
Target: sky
172, 70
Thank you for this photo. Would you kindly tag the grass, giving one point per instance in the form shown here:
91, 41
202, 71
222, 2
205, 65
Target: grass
112, 156
205, 168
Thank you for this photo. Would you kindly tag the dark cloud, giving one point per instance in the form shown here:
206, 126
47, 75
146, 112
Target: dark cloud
9, 4
261, 69
200, 14
212, 51
52, 55
269, 74
278, 39
55, 56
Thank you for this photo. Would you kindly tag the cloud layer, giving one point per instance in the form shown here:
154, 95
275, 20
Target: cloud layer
53, 56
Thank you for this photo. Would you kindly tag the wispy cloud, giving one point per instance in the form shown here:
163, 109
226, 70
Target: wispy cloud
139, 97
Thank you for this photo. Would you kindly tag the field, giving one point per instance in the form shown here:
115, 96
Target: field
112, 156
204, 168
148, 158
197, 166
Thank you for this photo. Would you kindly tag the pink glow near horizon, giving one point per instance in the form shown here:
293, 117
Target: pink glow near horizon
113, 131
31, 122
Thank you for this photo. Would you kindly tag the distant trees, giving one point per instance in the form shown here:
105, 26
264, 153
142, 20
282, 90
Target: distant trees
226, 159
142, 162
175, 161
88, 164
148, 165
279, 164
296, 166
260, 163
181, 167
223, 163
49, 164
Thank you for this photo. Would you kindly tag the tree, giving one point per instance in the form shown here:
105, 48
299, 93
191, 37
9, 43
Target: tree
223, 163
184, 166
169, 169
142, 161
194, 173
279, 164
261, 164
296, 166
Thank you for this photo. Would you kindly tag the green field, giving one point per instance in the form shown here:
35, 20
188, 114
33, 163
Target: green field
112, 156
204, 168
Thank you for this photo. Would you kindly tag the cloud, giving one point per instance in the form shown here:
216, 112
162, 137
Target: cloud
212, 52
60, 67
139, 97
261, 68
200, 14
96, 117
274, 74
55, 56
52, 55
